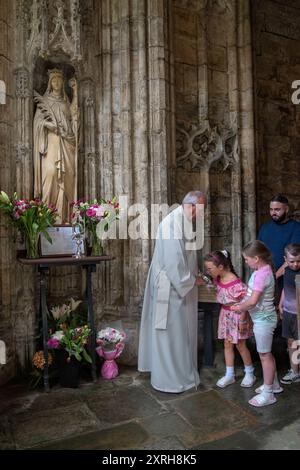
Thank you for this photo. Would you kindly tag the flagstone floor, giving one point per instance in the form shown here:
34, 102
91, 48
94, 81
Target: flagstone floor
127, 413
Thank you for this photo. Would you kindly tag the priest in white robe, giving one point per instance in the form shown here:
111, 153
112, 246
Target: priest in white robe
169, 323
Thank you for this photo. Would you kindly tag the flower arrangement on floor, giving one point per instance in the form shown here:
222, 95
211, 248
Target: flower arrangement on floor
98, 217
109, 338
38, 363
110, 345
30, 217
70, 333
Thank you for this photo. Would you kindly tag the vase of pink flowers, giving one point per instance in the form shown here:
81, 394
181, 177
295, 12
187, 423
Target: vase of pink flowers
31, 217
98, 217
111, 344
96, 243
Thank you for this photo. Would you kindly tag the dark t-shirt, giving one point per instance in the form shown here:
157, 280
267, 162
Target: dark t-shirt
289, 286
277, 236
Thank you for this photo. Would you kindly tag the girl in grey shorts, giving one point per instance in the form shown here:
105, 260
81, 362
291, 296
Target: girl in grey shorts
259, 301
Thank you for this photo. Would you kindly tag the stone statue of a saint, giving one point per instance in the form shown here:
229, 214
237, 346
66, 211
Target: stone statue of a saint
55, 137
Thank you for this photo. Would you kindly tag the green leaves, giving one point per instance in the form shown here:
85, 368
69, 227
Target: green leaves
86, 356
4, 199
47, 236
73, 340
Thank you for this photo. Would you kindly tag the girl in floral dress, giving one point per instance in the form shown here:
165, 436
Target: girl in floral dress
234, 328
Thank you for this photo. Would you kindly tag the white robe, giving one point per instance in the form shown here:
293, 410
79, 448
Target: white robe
168, 333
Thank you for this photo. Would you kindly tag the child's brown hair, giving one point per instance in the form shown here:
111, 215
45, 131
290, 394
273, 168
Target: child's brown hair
259, 249
221, 258
292, 249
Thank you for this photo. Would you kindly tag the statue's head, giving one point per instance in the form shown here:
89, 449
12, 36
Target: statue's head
56, 80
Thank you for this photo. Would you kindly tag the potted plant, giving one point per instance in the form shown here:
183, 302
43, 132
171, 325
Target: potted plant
69, 340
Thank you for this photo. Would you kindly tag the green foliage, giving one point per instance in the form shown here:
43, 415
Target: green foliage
71, 330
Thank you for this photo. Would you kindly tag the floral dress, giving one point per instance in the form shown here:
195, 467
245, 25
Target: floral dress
228, 294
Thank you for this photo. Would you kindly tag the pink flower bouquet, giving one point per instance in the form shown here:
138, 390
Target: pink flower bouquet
111, 345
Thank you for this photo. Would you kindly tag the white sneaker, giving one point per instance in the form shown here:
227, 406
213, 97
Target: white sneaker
290, 378
248, 380
276, 389
226, 380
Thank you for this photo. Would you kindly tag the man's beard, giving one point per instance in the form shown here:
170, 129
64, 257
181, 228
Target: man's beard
279, 220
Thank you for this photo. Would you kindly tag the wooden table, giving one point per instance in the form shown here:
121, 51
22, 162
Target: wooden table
207, 302
89, 263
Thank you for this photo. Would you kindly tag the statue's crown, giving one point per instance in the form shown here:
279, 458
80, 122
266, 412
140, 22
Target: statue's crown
55, 73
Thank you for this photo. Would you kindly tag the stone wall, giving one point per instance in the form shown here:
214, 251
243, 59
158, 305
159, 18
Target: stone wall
214, 117
166, 105
165, 97
7, 169
276, 34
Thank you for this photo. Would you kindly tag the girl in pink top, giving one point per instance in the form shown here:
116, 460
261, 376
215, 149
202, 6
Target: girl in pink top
233, 328
260, 303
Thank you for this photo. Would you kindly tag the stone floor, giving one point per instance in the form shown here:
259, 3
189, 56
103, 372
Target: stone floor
127, 413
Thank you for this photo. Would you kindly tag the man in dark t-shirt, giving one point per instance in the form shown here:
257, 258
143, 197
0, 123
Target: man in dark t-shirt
278, 233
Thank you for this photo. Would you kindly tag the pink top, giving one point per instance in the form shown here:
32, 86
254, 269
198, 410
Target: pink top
262, 277
230, 293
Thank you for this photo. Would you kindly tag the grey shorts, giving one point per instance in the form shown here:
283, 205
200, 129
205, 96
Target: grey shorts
263, 332
289, 325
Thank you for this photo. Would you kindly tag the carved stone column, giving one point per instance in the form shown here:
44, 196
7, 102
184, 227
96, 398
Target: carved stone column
25, 315
133, 143
87, 169
24, 168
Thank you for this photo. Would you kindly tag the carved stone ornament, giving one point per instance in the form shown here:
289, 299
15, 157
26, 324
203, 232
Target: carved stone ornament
89, 102
22, 12
22, 151
58, 39
220, 6
22, 83
199, 148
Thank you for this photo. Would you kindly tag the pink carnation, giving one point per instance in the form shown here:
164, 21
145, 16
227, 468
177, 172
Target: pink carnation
91, 213
53, 343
